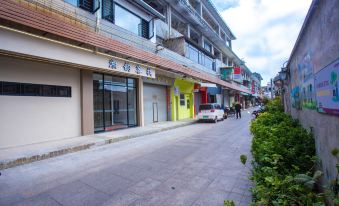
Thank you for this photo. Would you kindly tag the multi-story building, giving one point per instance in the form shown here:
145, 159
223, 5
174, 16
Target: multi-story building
77, 67
256, 87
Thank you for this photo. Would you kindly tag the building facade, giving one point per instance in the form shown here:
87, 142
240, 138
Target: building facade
71, 68
310, 91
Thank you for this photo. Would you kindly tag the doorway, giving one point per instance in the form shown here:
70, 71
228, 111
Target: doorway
114, 101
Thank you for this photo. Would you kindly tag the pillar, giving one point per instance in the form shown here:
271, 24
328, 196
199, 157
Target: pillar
87, 112
140, 115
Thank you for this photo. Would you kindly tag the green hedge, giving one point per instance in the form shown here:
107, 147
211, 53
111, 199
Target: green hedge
282, 150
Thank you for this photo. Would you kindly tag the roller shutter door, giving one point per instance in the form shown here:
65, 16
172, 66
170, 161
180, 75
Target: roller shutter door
155, 109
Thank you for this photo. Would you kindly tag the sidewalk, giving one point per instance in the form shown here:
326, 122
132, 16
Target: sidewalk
14, 156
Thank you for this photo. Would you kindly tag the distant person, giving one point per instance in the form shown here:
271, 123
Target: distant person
238, 109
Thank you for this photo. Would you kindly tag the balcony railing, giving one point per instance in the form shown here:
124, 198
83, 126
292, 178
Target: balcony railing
199, 18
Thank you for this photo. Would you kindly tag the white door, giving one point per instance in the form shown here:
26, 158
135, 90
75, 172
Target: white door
155, 108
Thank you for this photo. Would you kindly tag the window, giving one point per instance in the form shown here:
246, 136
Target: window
10, 88
127, 20
199, 57
229, 44
63, 91
194, 36
208, 46
27, 89
48, 90
192, 53
212, 98
217, 53
114, 102
31, 90
73, 2
88, 5
107, 10
188, 104
205, 107
157, 5
208, 62
182, 99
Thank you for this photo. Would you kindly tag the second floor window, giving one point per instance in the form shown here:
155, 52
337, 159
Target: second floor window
200, 57
73, 2
124, 18
127, 20
88, 5
192, 53
208, 46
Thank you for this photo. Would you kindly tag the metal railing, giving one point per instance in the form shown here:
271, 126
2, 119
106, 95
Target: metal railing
201, 20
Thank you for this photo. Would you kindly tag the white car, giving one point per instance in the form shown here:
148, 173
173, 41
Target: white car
210, 112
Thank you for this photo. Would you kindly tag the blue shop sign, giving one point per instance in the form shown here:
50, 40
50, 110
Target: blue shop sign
214, 90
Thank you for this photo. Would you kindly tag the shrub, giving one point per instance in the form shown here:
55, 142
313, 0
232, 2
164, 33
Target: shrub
282, 150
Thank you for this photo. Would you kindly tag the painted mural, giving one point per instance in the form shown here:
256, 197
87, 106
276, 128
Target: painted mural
295, 94
303, 94
327, 89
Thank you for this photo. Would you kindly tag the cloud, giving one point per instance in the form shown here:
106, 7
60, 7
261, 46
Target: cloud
222, 4
266, 31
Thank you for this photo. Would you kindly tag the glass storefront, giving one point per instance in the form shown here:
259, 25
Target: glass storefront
114, 102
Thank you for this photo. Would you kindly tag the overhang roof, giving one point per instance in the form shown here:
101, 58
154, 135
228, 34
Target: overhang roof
33, 16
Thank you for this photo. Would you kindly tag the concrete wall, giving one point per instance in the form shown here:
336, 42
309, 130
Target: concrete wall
25, 119
318, 45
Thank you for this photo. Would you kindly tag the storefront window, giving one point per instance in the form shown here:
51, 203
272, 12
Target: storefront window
114, 102
98, 104
132, 115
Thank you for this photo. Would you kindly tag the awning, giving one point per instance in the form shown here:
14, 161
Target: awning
208, 85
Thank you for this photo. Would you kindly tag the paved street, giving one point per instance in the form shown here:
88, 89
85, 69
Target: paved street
193, 165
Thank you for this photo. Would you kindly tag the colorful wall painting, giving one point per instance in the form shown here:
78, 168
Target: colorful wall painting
295, 96
308, 95
306, 82
327, 89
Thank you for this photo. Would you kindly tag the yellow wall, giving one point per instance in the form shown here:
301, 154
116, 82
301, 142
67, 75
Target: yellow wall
180, 112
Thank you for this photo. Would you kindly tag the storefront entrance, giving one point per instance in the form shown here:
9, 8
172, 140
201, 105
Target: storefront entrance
155, 105
114, 102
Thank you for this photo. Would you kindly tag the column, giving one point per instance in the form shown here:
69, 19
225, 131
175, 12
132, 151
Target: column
140, 103
87, 112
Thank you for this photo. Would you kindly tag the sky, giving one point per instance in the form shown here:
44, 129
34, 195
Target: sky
266, 31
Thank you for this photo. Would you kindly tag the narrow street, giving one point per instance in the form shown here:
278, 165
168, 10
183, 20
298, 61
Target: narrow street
193, 165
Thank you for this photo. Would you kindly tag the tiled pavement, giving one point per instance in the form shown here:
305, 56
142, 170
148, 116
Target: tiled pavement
193, 165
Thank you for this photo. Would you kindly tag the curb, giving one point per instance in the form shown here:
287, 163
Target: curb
5, 164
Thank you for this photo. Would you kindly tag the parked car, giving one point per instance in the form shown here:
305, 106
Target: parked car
210, 112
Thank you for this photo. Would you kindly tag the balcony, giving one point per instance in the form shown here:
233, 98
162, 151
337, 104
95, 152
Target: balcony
198, 22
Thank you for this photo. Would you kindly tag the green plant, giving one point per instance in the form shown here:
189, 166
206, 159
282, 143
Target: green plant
243, 159
228, 203
308, 181
332, 191
335, 152
284, 157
